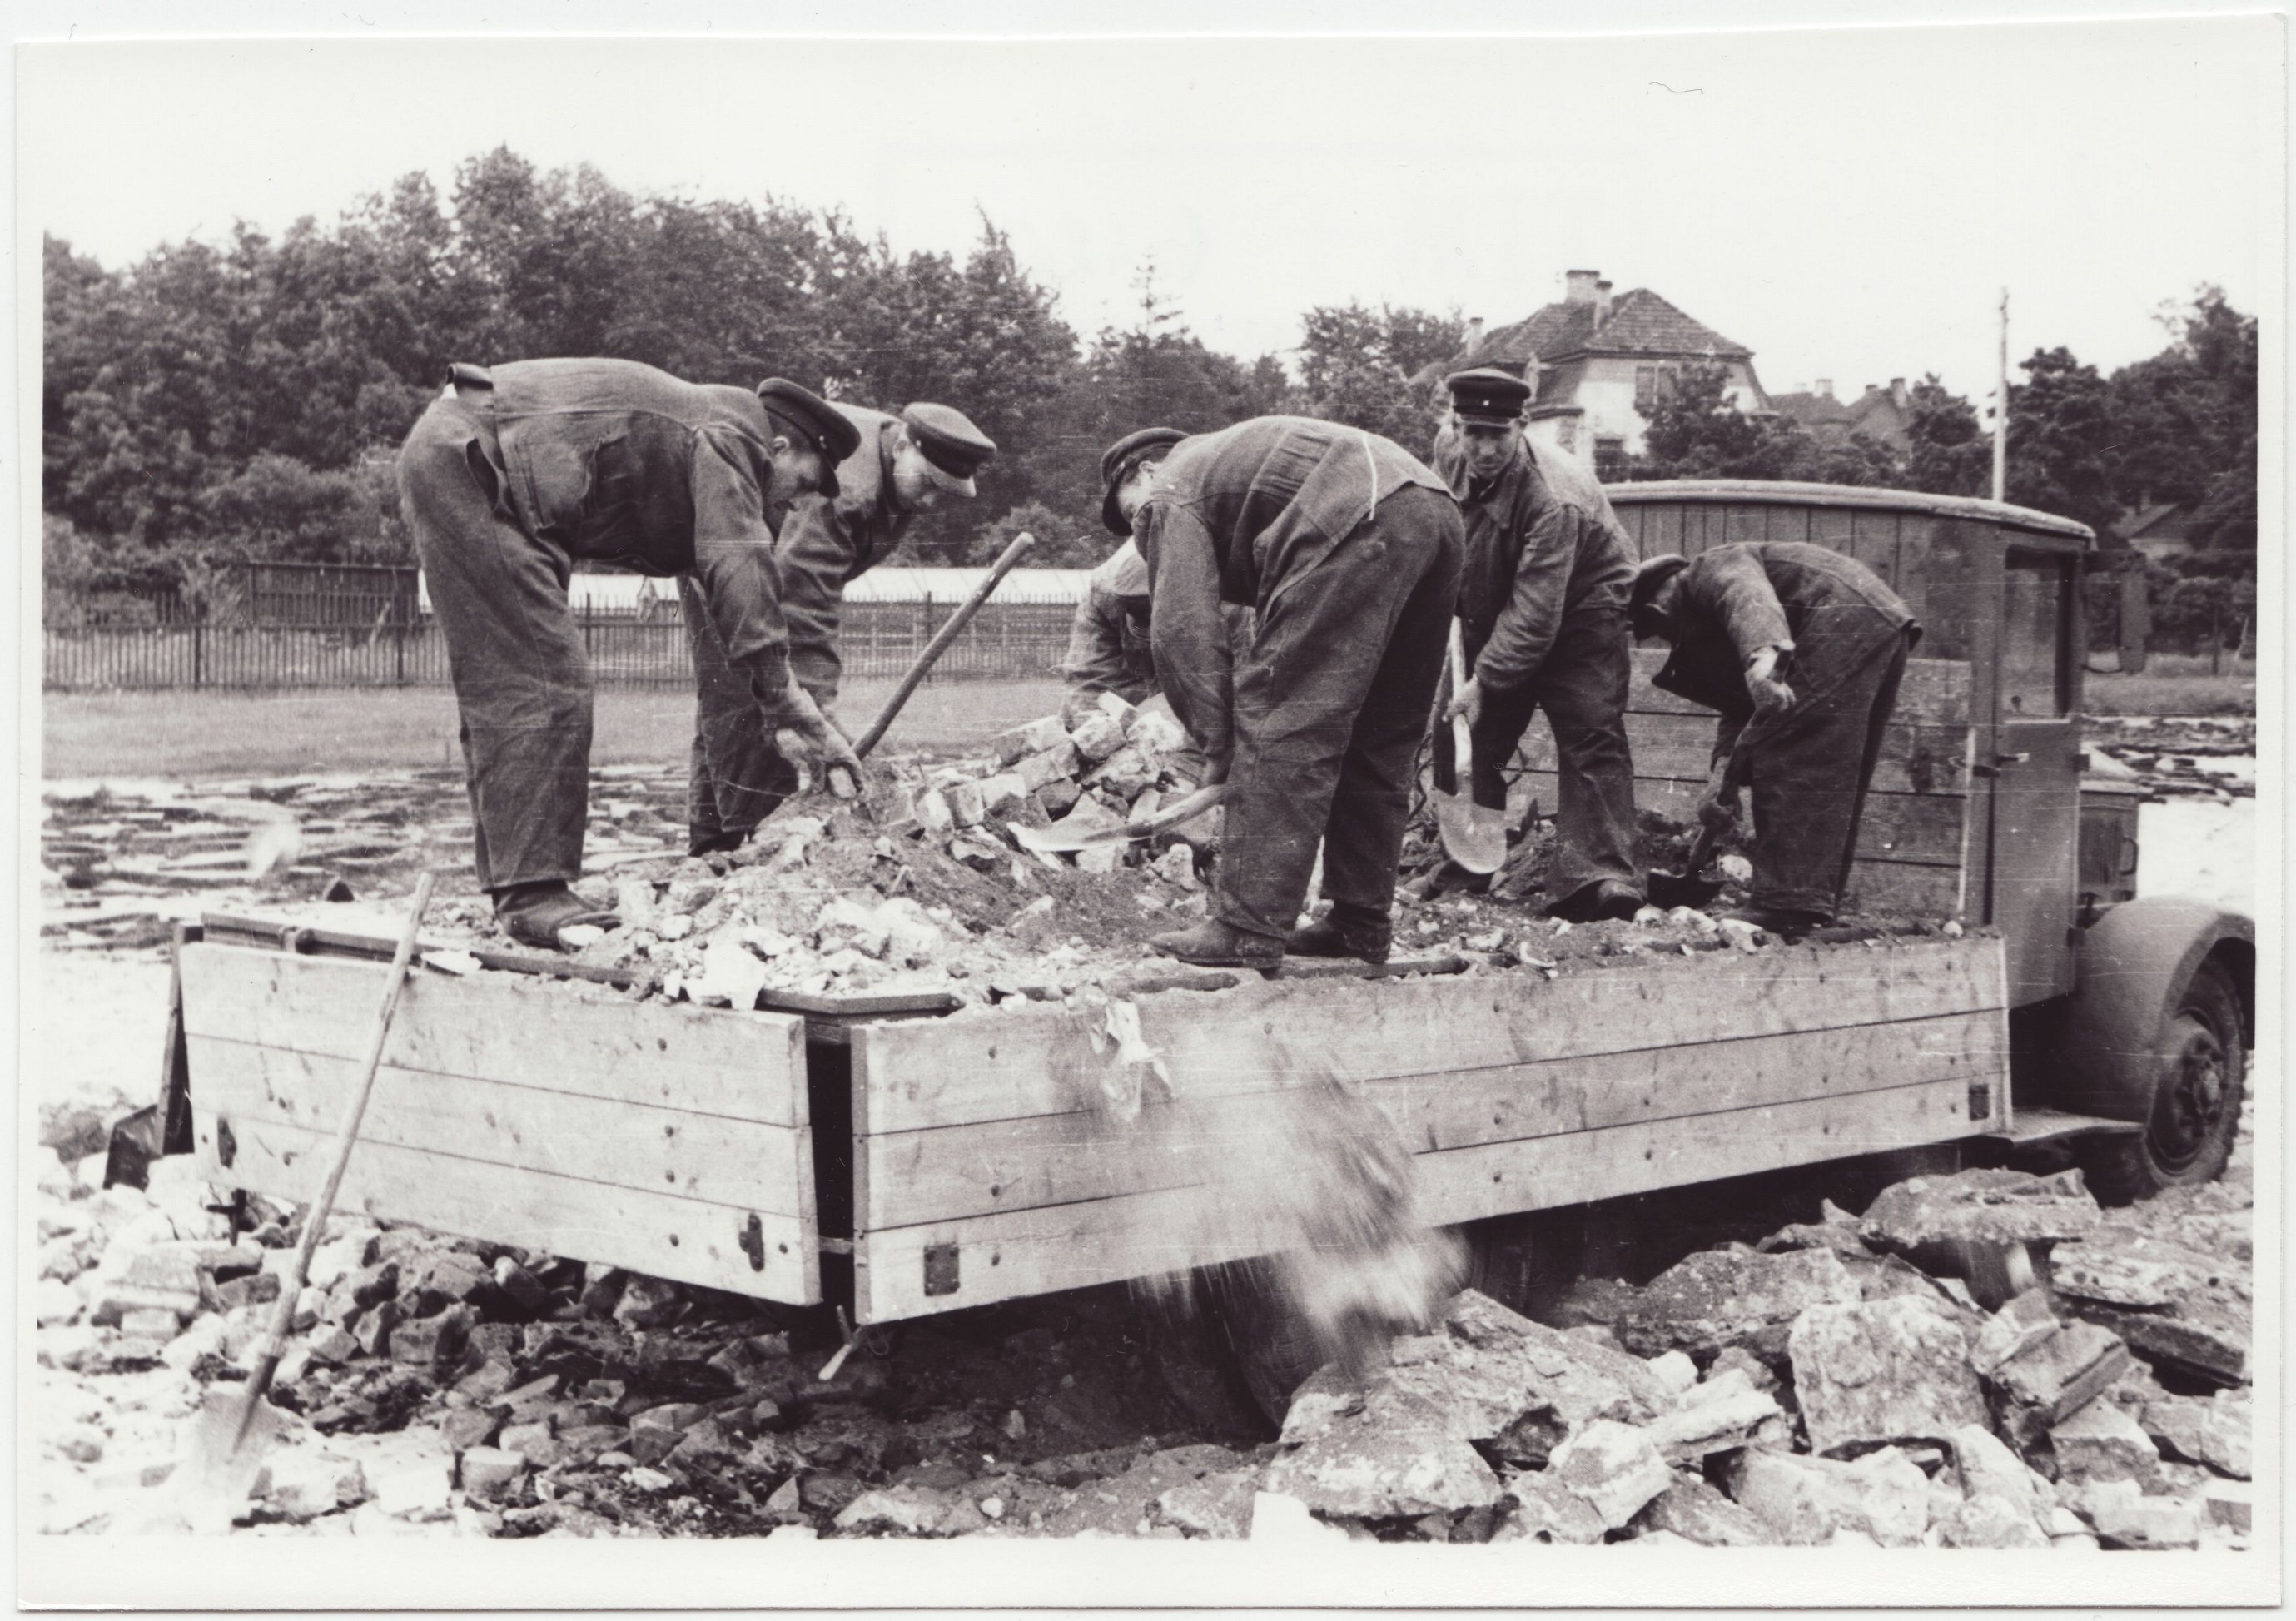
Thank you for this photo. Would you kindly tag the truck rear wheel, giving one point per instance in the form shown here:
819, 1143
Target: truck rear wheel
2197, 1078
1272, 1347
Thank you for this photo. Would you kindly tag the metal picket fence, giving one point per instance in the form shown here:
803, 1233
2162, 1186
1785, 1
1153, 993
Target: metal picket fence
1006, 641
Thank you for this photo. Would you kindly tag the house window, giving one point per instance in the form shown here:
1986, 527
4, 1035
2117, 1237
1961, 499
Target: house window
1610, 457
1645, 387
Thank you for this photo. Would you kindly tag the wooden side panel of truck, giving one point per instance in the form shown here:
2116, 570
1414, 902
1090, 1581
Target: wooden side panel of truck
998, 1154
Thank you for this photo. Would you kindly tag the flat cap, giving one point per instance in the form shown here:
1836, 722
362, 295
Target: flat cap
1486, 395
1117, 463
821, 424
1653, 573
952, 447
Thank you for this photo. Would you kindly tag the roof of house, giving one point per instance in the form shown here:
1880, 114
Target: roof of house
1639, 323
2160, 522
1811, 410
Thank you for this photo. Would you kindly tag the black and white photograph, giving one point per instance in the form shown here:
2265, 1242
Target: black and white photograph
1148, 812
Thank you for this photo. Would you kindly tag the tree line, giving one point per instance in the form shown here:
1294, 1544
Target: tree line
215, 403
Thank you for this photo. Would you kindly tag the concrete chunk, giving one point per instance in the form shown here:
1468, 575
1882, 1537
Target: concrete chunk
1544, 1510
490, 1474
2125, 1518
1987, 1206
1615, 1467
1882, 1370
1723, 1298
2020, 1325
1807, 1501
1695, 1511
1716, 1416
2217, 1432
2101, 1442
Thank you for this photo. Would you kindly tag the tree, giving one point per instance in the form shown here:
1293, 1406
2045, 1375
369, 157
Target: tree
1695, 431
2063, 440
1061, 543
1951, 452
1356, 366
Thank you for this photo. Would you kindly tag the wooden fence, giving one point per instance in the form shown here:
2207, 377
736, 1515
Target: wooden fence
1010, 641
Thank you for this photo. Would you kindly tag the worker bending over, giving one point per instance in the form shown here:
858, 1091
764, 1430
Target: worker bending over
1347, 548
1801, 650
517, 470
1543, 609
899, 467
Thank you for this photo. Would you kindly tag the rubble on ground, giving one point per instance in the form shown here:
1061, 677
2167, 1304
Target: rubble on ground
438, 1386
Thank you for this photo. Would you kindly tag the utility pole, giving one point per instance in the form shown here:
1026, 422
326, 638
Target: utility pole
2001, 409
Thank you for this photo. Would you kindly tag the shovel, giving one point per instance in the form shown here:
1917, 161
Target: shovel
1051, 841
238, 1424
1474, 836
1668, 890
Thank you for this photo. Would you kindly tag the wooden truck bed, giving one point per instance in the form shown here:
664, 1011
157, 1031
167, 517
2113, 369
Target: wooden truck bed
988, 1155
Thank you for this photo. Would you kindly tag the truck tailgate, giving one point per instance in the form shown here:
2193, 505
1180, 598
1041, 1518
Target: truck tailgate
671, 1139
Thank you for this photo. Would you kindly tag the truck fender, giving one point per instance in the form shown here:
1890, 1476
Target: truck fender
2130, 967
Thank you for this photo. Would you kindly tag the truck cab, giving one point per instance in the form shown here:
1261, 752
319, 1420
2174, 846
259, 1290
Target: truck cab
2135, 1010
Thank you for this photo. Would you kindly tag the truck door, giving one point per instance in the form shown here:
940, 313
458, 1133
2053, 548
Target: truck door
2035, 773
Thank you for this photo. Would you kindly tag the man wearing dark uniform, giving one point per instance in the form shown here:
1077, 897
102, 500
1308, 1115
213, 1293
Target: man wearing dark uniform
1347, 548
900, 466
1801, 650
515, 471
1109, 647
1543, 609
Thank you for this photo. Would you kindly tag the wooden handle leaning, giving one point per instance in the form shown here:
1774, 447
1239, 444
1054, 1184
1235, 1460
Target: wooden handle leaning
315, 1220
938, 645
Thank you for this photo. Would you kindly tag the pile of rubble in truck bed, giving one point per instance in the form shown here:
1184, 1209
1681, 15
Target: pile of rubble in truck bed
1837, 1383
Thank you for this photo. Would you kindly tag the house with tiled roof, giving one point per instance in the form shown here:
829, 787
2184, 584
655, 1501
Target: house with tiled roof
1884, 415
1595, 362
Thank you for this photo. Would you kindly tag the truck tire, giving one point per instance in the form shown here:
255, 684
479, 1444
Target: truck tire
1271, 1348
1527, 1261
2198, 1077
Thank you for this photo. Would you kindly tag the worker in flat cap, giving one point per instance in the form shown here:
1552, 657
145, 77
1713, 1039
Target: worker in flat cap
1543, 614
1801, 650
516, 472
1347, 549
900, 464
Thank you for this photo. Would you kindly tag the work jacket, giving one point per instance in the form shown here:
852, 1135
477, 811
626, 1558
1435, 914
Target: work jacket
1542, 544
827, 544
1108, 639
1237, 515
622, 464
1825, 611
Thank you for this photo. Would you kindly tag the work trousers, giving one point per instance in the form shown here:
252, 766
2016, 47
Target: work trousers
1808, 774
1329, 709
521, 679
736, 778
1581, 684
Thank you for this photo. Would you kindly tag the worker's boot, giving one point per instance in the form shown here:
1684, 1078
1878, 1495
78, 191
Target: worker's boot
1606, 897
532, 915
1346, 931
1213, 944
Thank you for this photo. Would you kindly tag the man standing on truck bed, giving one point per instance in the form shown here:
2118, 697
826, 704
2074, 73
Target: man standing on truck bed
901, 466
1347, 548
1801, 650
1543, 610
516, 470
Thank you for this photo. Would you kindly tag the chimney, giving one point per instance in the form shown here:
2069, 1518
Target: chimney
1474, 339
1825, 388
1581, 286
1898, 394
1602, 300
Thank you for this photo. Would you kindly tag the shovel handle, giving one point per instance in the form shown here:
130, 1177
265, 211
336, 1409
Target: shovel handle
314, 1222
1463, 747
938, 645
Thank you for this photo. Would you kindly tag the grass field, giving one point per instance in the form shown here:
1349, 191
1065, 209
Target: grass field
222, 734
2175, 684
195, 736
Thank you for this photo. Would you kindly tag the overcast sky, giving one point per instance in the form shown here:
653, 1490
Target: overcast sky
1847, 204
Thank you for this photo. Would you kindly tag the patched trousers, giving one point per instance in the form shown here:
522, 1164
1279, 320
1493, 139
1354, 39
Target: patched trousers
522, 680
1330, 706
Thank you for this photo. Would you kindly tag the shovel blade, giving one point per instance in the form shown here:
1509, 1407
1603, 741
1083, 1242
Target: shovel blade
1474, 836
221, 1463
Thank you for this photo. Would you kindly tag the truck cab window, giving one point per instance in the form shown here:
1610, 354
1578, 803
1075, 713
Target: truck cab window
2036, 589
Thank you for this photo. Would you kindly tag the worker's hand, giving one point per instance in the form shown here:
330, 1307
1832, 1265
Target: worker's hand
1467, 702
1771, 696
1718, 806
808, 740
